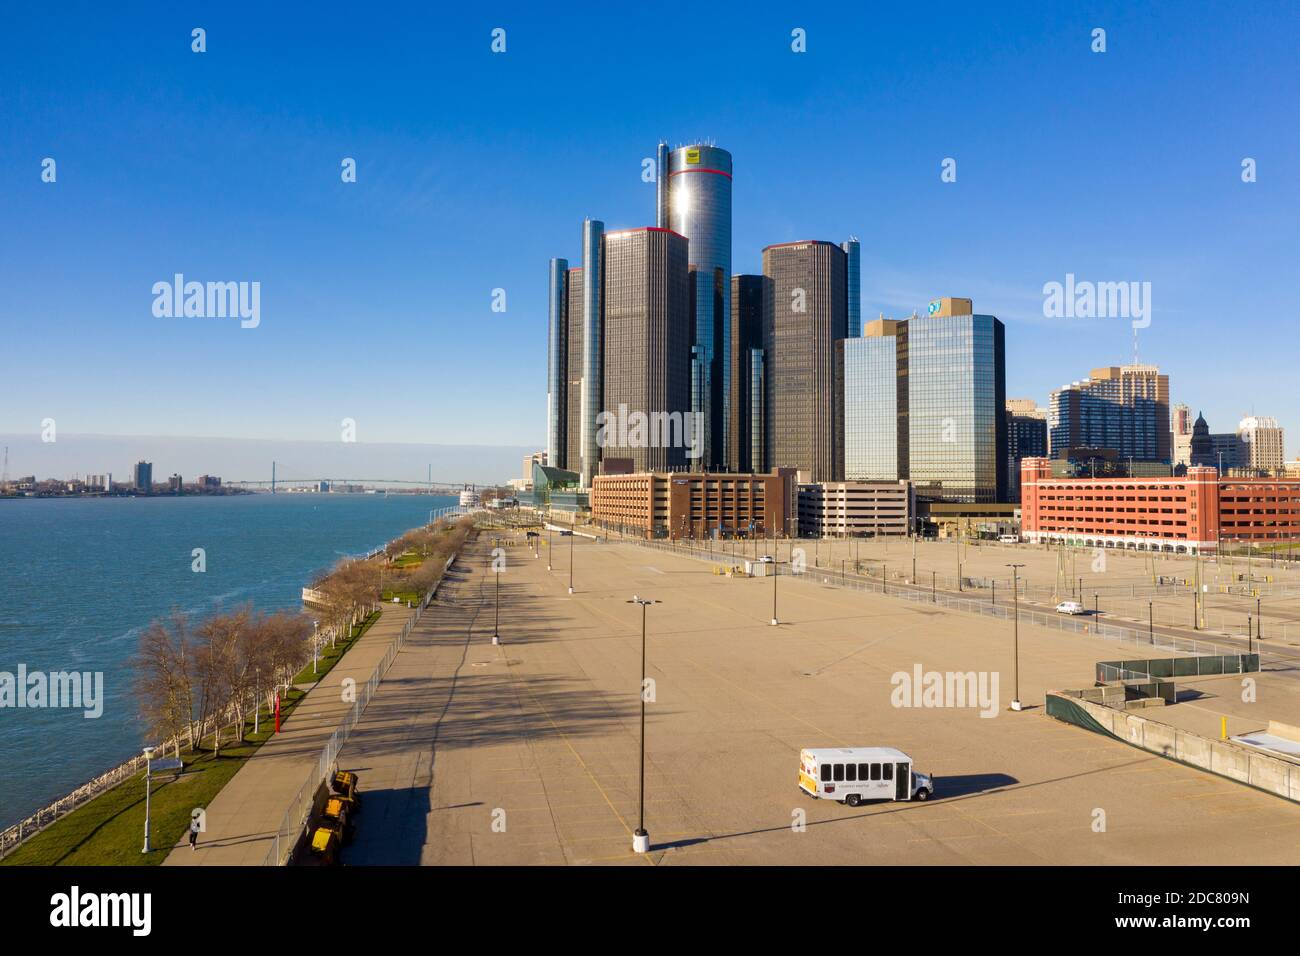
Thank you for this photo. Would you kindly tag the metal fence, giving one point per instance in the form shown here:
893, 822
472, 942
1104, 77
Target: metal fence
296, 817
924, 594
1170, 667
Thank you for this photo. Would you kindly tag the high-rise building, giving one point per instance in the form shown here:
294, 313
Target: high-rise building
1262, 442
746, 360
1123, 408
957, 425
557, 363
1026, 438
694, 200
647, 346
1180, 427
853, 251
871, 403
593, 346
572, 459
808, 312
142, 476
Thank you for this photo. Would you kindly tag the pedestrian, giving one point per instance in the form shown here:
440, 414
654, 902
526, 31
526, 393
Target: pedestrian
194, 832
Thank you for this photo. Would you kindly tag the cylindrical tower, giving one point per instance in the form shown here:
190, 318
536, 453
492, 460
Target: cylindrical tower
593, 349
557, 358
699, 208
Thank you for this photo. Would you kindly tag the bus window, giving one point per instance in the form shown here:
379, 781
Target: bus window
875, 771
850, 772
839, 772
826, 772
864, 771
889, 771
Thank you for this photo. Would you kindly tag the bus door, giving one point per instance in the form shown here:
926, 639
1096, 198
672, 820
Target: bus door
902, 782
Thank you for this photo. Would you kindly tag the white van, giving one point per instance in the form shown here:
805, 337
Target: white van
1009, 538
853, 775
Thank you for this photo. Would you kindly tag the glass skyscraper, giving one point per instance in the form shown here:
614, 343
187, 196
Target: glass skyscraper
694, 200
871, 403
957, 426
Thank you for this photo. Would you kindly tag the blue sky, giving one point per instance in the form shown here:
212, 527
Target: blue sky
474, 168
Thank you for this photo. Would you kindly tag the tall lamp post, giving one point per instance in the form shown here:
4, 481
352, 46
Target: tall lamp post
550, 538
775, 575
572, 534
1015, 656
641, 838
496, 620
148, 768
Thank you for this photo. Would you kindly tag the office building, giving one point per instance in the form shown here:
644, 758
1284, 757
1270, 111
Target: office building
841, 509
1026, 438
693, 504
1261, 443
572, 458
807, 313
142, 476
593, 354
694, 200
871, 403
647, 340
557, 364
957, 425
1125, 408
745, 430
175, 484
853, 266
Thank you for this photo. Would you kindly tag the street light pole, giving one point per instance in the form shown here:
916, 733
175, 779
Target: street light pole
775, 568
496, 620
1015, 658
572, 534
148, 767
640, 837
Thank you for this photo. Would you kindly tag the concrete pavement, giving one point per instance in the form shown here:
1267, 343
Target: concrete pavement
528, 752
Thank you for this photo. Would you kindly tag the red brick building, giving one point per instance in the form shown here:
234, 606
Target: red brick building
694, 505
1182, 514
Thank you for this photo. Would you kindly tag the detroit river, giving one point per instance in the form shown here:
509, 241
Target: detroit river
80, 579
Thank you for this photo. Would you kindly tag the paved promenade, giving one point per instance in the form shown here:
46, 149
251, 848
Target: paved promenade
242, 820
527, 752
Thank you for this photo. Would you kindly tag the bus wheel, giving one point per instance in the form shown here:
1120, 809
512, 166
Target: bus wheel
923, 794
853, 799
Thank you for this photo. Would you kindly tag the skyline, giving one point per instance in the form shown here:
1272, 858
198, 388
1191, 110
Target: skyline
468, 195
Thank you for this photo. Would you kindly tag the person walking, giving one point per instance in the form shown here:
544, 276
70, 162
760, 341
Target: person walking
194, 832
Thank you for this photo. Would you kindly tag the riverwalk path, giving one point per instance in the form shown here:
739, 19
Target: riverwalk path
243, 818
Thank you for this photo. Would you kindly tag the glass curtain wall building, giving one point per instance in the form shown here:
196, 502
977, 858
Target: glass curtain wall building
871, 401
957, 426
557, 363
694, 200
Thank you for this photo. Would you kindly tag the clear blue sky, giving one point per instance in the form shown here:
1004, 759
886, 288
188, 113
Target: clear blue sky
475, 168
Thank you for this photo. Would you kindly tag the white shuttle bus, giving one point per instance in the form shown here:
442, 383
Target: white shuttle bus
854, 775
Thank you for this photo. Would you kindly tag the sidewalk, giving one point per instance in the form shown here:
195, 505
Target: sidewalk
243, 818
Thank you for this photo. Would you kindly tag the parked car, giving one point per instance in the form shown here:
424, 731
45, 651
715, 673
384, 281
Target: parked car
767, 559
1069, 607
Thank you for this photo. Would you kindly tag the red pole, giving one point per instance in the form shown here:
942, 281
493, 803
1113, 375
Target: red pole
277, 712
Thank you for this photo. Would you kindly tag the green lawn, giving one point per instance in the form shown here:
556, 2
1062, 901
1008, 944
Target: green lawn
109, 830
329, 656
